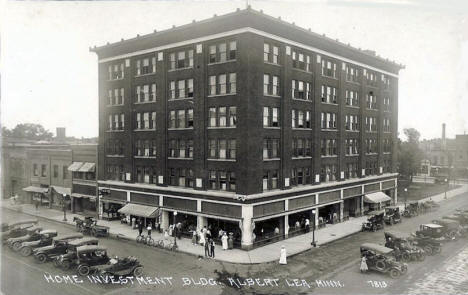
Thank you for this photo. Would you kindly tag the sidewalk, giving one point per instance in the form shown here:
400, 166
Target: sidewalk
267, 253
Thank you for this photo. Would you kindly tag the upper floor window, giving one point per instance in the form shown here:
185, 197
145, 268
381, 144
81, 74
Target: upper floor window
145, 148
351, 146
301, 90
270, 117
301, 61
371, 124
146, 66
328, 147
328, 68
351, 170
387, 145
371, 78
270, 85
181, 148
145, 174
146, 121
181, 89
371, 168
181, 119
116, 121
65, 172
300, 119
328, 173
145, 93
352, 98
270, 180
329, 94
35, 170
352, 74
116, 71
302, 147
222, 149
181, 177
371, 101
386, 82
300, 176
116, 96
352, 122
371, 146
328, 120
56, 171
181, 59
43, 170
223, 52
114, 147
115, 172
270, 53
386, 125
222, 116
222, 84
271, 148
222, 180
386, 104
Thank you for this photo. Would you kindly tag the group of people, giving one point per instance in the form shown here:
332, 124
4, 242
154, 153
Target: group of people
303, 225
205, 238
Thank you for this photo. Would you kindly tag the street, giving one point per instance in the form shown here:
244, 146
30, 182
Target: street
331, 269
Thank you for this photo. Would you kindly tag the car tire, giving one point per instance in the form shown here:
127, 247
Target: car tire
428, 250
380, 265
26, 251
41, 257
404, 269
66, 264
138, 271
437, 250
394, 273
405, 257
16, 246
83, 270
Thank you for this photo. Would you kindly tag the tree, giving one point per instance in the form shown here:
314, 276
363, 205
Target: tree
28, 131
409, 154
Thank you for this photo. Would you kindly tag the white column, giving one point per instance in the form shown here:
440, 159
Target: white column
128, 196
247, 215
286, 225
201, 222
164, 220
341, 210
316, 217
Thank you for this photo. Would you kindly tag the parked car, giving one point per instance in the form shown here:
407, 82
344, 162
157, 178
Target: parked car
45, 239
412, 210
31, 234
65, 260
89, 226
431, 230
381, 259
17, 228
59, 246
405, 249
451, 229
87, 257
430, 245
121, 267
374, 222
392, 215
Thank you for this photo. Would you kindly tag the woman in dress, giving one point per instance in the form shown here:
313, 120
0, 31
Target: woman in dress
194, 237
282, 259
364, 267
224, 241
202, 237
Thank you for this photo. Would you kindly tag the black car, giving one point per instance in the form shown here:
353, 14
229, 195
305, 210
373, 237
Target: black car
59, 246
392, 215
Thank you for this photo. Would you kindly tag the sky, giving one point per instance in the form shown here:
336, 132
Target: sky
49, 76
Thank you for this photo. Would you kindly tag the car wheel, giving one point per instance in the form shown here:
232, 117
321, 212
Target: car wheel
394, 273
428, 250
437, 250
138, 271
26, 251
83, 270
57, 263
452, 235
41, 258
16, 246
405, 257
380, 265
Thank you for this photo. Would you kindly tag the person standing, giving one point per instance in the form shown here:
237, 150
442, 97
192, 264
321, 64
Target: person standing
364, 267
307, 225
149, 228
224, 241
212, 248
282, 259
140, 227
36, 203
207, 249
194, 237
202, 237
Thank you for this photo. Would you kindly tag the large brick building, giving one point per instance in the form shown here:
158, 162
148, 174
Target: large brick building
246, 123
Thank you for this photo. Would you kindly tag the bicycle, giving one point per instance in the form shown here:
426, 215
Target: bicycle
140, 238
149, 241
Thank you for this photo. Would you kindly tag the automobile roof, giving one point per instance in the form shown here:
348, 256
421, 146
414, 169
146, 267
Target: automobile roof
376, 247
83, 241
376, 212
397, 234
68, 236
48, 231
90, 248
432, 225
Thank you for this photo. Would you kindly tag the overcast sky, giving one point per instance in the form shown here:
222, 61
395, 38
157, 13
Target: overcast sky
50, 77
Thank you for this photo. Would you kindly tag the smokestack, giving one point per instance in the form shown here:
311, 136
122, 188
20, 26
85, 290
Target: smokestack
60, 134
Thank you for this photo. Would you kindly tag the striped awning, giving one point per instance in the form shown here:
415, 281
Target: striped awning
61, 190
87, 167
139, 210
376, 198
35, 189
75, 166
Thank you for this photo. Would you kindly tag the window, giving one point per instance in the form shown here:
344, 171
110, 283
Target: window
329, 94
371, 168
371, 124
300, 119
387, 145
222, 84
352, 74
328, 120
300, 176
35, 170
351, 170
352, 122
386, 82
270, 53
352, 98
145, 174
301, 90
43, 170
351, 147
371, 101
371, 78
183, 177
116, 71
116, 122
181, 59
222, 149
146, 121
270, 180
222, 117
180, 148
145, 148
328, 68
386, 125
115, 172
146, 66
56, 172
64, 172
301, 147
270, 85
301, 61
115, 96
181, 89
270, 148
371, 146
222, 52
328, 173
386, 104
145, 93
328, 147
222, 180
387, 166
270, 117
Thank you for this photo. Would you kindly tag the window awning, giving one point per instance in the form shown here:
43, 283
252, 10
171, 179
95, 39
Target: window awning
62, 190
139, 210
35, 189
109, 200
79, 196
75, 166
376, 198
87, 167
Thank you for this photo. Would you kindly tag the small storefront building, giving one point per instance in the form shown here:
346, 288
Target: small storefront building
37, 194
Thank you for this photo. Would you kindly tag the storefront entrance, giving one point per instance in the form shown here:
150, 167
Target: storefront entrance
352, 207
188, 222
297, 222
268, 231
329, 214
228, 226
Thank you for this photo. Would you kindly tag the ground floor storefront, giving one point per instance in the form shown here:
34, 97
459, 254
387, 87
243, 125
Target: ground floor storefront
250, 221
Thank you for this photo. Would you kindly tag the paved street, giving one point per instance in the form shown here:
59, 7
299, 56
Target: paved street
336, 262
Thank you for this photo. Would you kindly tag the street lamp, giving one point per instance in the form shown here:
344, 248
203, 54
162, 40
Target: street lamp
64, 203
175, 229
313, 230
406, 196
446, 188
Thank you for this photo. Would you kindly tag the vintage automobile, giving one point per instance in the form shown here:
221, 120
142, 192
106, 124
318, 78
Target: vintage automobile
89, 226
17, 228
380, 258
392, 215
431, 246
31, 234
431, 230
64, 260
412, 210
374, 222
451, 229
121, 267
404, 248
89, 256
45, 239
59, 246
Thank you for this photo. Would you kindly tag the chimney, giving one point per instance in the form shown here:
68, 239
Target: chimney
60, 134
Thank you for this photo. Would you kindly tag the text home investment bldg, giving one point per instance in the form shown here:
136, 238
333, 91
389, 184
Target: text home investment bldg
245, 123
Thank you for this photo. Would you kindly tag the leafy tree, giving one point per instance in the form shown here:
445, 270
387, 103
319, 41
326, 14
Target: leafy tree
28, 131
409, 154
